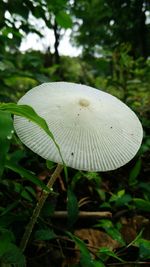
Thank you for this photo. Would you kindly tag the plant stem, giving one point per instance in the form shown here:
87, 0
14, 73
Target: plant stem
84, 214
38, 208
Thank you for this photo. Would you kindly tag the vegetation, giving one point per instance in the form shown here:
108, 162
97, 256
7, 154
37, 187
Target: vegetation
114, 36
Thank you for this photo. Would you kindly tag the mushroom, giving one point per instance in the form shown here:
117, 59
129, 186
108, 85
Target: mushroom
94, 130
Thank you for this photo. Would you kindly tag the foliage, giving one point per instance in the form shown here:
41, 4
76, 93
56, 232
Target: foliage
126, 195
113, 23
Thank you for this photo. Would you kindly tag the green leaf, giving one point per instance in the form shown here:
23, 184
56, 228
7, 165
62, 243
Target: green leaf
121, 198
134, 173
75, 179
25, 174
72, 207
95, 177
144, 248
105, 205
97, 263
49, 164
141, 204
136, 240
115, 234
116, 197
85, 259
121, 193
6, 131
122, 201
20, 189
145, 186
29, 113
107, 252
6, 65
20, 82
110, 229
14, 255
6, 237
45, 234
63, 19
7, 209
92, 176
105, 223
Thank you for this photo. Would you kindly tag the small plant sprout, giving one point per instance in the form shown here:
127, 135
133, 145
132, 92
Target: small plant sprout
95, 131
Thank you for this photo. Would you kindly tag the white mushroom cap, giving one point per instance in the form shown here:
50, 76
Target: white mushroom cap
94, 130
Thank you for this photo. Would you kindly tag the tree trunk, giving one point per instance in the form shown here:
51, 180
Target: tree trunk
57, 41
141, 29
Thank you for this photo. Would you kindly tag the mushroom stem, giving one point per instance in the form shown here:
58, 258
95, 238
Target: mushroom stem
38, 208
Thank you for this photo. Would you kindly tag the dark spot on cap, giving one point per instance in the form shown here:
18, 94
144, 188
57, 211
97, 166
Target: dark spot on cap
72, 153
